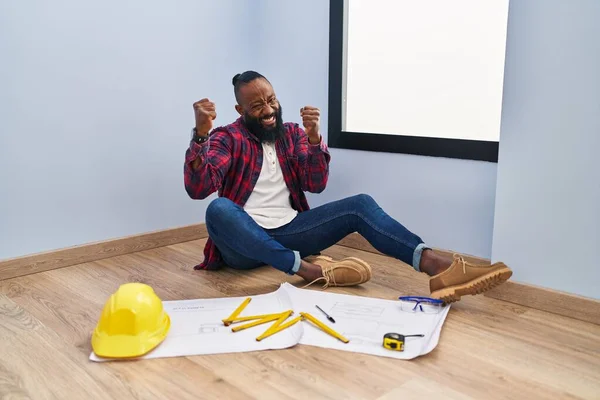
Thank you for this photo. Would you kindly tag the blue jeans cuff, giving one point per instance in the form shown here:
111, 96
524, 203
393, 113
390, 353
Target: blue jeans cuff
296, 266
417, 256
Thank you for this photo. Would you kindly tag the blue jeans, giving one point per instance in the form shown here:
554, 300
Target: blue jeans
245, 245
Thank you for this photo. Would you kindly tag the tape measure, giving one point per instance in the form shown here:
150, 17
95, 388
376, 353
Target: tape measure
395, 341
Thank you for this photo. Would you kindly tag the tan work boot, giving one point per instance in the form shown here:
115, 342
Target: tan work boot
463, 278
349, 271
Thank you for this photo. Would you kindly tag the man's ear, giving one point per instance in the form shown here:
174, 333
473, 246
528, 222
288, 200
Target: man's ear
239, 109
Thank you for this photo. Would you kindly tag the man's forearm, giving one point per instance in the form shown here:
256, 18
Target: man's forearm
199, 137
314, 140
197, 175
207, 162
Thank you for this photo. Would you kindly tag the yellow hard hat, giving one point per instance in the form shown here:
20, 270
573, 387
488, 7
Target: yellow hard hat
132, 323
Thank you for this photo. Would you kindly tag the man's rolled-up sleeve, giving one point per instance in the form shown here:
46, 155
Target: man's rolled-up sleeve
214, 164
313, 162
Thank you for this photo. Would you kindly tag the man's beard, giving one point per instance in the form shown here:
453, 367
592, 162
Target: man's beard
262, 133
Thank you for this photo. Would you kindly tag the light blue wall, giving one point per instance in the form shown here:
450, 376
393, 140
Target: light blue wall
96, 109
95, 112
450, 203
548, 203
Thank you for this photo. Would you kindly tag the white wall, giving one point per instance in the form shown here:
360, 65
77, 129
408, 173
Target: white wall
547, 223
95, 113
449, 202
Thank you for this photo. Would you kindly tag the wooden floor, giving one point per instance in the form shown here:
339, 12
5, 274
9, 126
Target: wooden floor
489, 349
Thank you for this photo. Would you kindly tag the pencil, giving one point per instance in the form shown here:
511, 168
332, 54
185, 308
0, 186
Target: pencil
329, 317
279, 328
237, 312
324, 327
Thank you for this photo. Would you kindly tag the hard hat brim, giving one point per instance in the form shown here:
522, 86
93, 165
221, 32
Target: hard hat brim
129, 346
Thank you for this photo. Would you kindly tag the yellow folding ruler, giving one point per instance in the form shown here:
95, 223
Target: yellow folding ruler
278, 325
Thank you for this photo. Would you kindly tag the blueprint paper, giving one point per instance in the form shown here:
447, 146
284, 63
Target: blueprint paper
364, 321
197, 327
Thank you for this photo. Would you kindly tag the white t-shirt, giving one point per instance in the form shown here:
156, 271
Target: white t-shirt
269, 203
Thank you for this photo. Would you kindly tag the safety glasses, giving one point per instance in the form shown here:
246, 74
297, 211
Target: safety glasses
425, 305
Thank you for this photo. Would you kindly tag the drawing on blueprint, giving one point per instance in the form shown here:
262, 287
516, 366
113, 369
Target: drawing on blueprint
368, 332
211, 328
194, 308
361, 340
199, 329
192, 326
365, 328
357, 310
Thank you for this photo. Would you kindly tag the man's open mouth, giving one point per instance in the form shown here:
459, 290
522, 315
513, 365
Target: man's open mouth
268, 120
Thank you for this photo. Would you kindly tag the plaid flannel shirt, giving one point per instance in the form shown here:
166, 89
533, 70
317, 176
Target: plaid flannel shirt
230, 164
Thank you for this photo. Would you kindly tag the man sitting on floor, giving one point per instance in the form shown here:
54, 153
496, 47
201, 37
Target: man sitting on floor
261, 167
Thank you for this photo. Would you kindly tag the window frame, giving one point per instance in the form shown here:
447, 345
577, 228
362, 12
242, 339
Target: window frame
465, 149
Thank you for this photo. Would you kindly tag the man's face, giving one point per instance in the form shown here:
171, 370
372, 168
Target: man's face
261, 110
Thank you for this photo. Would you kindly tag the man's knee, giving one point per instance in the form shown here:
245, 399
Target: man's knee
219, 210
365, 201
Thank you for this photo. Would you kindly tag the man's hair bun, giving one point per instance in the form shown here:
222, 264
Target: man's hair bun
240, 80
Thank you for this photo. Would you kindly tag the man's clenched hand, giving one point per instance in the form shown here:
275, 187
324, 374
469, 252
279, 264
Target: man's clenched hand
205, 113
310, 119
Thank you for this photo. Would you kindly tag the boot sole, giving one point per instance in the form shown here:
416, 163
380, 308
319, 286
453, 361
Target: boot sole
476, 286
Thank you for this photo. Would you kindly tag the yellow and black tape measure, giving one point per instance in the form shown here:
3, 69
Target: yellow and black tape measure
395, 341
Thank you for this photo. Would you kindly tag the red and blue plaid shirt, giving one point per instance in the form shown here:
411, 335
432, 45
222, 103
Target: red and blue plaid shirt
230, 164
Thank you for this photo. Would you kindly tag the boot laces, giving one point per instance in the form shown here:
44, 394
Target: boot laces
328, 277
459, 258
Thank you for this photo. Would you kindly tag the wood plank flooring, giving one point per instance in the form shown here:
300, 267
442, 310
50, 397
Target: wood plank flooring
489, 349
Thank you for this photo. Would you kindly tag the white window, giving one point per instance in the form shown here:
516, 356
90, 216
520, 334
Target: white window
426, 69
